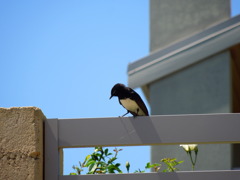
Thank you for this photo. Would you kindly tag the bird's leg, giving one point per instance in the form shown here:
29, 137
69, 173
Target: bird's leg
137, 111
125, 114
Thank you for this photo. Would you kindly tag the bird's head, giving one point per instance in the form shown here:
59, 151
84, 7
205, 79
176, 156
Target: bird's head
116, 89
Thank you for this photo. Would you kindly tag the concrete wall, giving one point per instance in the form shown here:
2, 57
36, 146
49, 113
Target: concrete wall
201, 88
172, 20
21, 143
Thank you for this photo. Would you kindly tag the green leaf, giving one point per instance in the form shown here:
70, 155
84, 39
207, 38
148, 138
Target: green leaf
111, 168
94, 157
118, 170
148, 165
111, 160
180, 162
87, 157
90, 163
73, 174
92, 167
117, 164
106, 152
84, 162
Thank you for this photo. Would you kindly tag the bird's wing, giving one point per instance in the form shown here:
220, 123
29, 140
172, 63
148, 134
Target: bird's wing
139, 101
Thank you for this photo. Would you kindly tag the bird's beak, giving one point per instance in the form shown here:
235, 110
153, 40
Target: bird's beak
111, 96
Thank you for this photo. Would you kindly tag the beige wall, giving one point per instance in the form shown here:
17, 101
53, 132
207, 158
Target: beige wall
21, 143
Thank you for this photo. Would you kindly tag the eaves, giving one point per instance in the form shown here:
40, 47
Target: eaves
184, 53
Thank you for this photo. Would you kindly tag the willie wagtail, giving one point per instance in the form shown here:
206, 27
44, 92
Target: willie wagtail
130, 100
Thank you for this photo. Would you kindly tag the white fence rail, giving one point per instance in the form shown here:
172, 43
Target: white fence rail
128, 131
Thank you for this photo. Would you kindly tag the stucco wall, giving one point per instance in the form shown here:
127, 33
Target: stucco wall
173, 20
201, 88
21, 143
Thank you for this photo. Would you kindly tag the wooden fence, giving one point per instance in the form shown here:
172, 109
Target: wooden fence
128, 131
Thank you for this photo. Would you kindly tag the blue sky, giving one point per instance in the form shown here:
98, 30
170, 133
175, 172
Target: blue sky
65, 56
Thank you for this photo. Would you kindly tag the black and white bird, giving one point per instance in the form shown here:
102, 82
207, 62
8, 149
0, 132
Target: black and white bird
130, 100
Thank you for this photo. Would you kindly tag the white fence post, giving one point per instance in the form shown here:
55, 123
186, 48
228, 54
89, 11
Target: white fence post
51, 169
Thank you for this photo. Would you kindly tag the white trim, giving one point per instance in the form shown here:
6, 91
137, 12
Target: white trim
184, 53
184, 48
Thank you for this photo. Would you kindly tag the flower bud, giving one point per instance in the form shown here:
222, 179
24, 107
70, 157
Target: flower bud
127, 166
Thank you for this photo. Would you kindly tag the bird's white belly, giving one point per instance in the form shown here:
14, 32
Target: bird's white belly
131, 106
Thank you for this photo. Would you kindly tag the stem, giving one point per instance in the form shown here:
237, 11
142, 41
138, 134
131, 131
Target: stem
195, 157
193, 163
171, 168
116, 153
99, 160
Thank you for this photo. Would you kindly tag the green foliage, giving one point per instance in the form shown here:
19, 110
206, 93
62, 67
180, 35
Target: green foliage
156, 167
102, 161
139, 171
171, 163
99, 162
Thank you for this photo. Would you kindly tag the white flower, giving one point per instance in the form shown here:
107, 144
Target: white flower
190, 147
193, 147
185, 147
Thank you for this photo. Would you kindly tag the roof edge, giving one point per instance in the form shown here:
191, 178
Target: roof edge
210, 41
